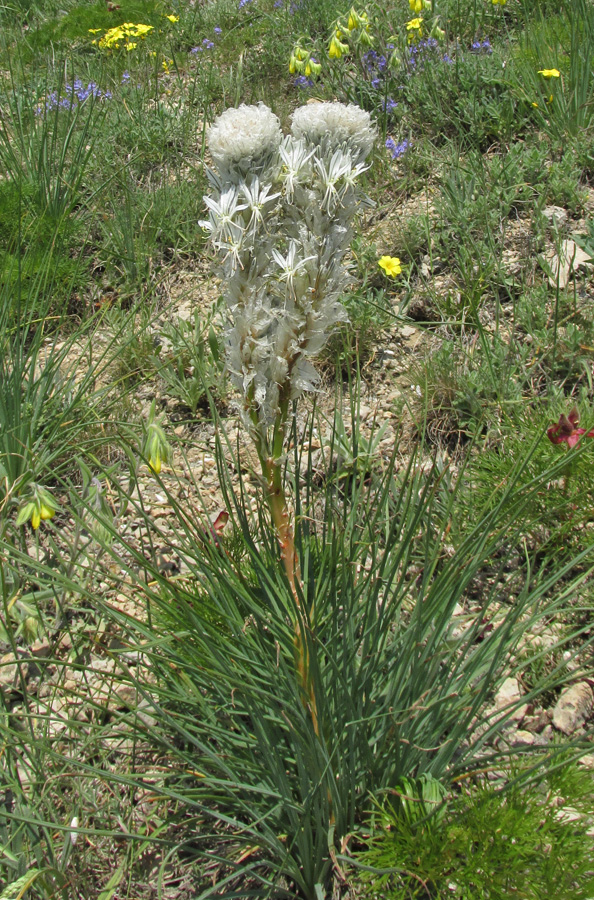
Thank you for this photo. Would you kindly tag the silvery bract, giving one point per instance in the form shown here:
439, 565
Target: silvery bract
280, 219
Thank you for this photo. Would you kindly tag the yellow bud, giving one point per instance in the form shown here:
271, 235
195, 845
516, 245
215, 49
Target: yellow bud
292, 65
307, 69
36, 518
46, 512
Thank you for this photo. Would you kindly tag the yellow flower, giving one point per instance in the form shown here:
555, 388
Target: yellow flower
131, 45
499, 2
95, 30
40, 506
549, 73
415, 5
141, 30
415, 24
172, 18
390, 265
535, 105
155, 462
337, 48
46, 512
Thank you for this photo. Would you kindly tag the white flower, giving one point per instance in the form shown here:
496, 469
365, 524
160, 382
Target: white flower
257, 196
221, 221
291, 265
243, 141
331, 125
296, 166
339, 166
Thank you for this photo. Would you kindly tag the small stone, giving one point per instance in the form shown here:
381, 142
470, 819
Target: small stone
555, 215
523, 739
573, 708
508, 693
8, 669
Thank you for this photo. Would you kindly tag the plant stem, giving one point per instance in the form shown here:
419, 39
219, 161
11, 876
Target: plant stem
270, 455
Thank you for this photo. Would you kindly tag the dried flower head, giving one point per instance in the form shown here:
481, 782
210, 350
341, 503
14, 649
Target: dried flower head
334, 125
244, 140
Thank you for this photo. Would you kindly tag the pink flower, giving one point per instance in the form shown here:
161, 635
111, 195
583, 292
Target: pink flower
565, 431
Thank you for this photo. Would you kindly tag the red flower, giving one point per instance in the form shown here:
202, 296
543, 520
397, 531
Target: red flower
565, 431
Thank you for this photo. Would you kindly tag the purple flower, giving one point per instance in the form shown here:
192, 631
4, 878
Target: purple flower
482, 46
388, 105
125, 77
218, 29
243, 3
397, 150
196, 50
208, 45
301, 81
376, 83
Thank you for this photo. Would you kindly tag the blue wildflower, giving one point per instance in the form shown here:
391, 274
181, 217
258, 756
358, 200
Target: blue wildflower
397, 150
388, 105
218, 29
301, 81
125, 77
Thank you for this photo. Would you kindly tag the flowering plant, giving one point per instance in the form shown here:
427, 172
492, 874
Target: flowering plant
280, 218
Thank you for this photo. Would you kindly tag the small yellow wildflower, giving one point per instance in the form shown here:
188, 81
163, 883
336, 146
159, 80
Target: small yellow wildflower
415, 24
415, 5
155, 462
390, 265
535, 105
173, 18
549, 73
337, 48
95, 30
39, 507
142, 30
131, 45
498, 2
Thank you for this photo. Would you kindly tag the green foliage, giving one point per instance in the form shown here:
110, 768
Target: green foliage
192, 365
486, 844
395, 690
